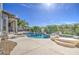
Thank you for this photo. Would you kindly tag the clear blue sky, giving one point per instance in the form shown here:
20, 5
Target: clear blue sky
44, 14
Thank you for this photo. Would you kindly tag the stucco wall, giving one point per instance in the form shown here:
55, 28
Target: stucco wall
0, 26
0, 18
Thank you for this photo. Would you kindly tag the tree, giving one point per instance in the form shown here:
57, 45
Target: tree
52, 28
22, 24
35, 29
76, 29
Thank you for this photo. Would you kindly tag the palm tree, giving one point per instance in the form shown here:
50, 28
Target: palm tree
22, 24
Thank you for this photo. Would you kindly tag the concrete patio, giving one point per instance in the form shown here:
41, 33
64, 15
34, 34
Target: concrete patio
31, 46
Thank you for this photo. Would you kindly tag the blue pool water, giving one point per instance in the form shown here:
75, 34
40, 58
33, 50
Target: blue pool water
37, 35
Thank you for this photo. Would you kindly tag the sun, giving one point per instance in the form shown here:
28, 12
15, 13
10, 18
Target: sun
48, 4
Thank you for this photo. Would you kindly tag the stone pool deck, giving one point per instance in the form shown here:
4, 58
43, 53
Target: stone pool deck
29, 46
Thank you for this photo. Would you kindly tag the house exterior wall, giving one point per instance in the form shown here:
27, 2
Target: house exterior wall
0, 24
0, 19
13, 24
5, 22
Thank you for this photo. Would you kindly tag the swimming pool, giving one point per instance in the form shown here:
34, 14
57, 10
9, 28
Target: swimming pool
37, 35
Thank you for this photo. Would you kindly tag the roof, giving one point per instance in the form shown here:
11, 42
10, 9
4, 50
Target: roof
9, 14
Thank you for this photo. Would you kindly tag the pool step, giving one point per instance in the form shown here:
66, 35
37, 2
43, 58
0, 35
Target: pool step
65, 44
68, 41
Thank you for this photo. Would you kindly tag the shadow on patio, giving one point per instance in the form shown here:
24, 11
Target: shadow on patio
7, 46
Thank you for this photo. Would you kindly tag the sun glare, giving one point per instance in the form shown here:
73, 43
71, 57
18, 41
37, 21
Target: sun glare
49, 6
